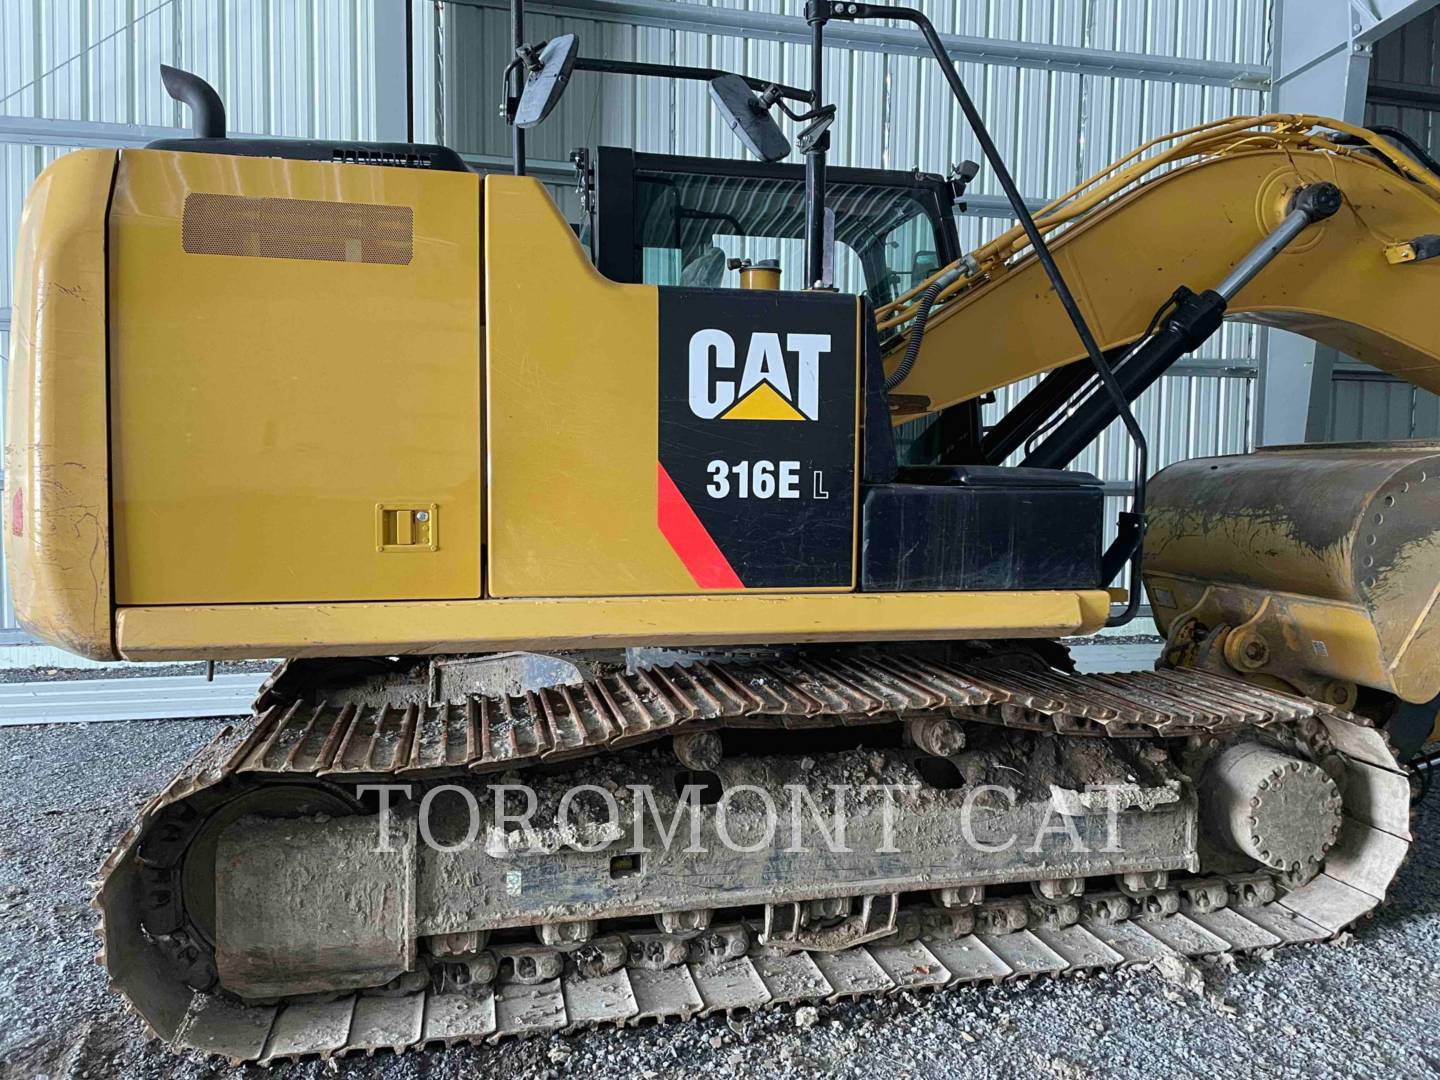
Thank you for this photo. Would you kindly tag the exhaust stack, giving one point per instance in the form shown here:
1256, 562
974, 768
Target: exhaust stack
207, 111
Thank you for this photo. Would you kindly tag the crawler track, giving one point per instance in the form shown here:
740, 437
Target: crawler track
155, 960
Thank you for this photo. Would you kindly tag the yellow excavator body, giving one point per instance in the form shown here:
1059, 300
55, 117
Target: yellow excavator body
381, 417
261, 454
400, 453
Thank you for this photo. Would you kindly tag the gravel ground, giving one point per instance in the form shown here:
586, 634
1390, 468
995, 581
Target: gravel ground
1366, 1007
131, 671
1115, 639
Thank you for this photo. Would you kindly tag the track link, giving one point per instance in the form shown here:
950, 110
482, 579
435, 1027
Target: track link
150, 960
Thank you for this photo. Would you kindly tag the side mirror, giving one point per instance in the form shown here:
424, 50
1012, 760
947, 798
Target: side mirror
748, 118
547, 73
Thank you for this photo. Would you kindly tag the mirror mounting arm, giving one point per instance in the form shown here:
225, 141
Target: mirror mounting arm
772, 92
1110, 386
516, 83
508, 101
529, 56
817, 14
820, 121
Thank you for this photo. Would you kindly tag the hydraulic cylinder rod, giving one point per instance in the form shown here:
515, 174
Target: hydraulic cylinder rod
1294, 224
1193, 320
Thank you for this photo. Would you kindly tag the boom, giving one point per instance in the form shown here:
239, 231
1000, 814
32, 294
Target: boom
1183, 215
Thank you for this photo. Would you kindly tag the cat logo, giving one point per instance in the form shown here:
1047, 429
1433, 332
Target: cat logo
777, 382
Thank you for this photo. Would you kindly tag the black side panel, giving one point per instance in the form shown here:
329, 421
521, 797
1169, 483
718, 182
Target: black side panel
614, 242
757, 436
990, 536
881, 462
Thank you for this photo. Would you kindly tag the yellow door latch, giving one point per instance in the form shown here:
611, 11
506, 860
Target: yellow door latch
405, 527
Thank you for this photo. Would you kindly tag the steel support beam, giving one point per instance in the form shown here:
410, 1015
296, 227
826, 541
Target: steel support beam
1371, 20
1321, 51
691, 17
72, 134
43, 131
1403, 95
391, 70
147, 698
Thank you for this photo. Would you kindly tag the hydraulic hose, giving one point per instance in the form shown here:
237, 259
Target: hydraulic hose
1404, 138
917, 328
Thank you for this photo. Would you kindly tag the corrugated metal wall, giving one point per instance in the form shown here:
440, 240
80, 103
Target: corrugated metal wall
1055, 128
283, 67
1366, 403
1407, 60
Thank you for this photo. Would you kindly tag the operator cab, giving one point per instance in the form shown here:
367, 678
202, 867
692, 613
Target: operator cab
666, 219
662, 219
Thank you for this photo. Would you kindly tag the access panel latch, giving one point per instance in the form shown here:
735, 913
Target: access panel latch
405, 527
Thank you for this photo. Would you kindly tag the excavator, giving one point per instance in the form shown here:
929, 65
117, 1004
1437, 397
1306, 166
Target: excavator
554, 525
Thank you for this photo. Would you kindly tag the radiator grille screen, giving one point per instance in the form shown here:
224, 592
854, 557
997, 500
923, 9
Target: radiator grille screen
297, 229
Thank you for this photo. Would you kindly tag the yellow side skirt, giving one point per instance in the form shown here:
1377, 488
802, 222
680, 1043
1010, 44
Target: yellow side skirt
240, 631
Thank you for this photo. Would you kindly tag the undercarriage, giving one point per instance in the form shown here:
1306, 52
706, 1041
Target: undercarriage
364, 864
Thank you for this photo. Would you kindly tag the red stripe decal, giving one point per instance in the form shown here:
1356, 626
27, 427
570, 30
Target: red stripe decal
695, 546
